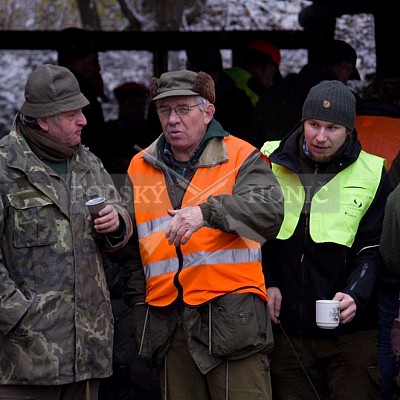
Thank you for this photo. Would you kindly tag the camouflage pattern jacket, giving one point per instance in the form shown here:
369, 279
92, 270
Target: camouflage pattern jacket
56, 324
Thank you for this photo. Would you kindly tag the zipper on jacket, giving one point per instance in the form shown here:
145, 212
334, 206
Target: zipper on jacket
362, 273
309, 193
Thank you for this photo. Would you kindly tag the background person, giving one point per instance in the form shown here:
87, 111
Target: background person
389, 297
132, 378
326, 249
80, 54
56, 324
240, 87
200, 307
394, 171
232, 105
279, 109
257, 69
378, 118
378, 124
129, 129
319, 19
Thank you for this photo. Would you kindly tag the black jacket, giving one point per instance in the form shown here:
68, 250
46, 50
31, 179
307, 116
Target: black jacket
306, 271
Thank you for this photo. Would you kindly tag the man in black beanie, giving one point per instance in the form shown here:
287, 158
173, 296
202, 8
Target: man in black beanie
327, 249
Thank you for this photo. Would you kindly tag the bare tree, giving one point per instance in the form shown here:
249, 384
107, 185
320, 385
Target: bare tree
169, 14
165, 15
89, 15
135, 21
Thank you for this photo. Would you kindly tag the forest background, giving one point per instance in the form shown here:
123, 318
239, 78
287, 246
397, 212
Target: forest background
156, 15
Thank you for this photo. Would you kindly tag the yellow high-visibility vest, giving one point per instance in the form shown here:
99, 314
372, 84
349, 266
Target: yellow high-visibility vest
337, 207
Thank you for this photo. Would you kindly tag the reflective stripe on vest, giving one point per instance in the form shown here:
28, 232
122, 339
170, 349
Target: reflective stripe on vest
337, 207
214, 262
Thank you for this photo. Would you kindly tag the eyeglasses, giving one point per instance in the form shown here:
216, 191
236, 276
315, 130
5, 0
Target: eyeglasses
179, 110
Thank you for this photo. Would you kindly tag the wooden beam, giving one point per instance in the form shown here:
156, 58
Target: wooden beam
156, 41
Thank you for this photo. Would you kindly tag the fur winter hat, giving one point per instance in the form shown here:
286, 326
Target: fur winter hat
51, 90
331, 101
183, 83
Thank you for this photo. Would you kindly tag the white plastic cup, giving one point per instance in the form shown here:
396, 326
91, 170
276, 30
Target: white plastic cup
327, 313
95, 205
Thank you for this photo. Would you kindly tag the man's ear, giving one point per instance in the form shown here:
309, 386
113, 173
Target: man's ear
43, 123
210, 110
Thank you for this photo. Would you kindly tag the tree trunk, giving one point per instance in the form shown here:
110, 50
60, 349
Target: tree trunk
169, 14
89, 16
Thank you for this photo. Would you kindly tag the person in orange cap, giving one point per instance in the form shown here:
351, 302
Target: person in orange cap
239, 87
258, 69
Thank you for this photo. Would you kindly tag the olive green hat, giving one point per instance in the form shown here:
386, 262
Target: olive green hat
183, 83
52, 90
331, 101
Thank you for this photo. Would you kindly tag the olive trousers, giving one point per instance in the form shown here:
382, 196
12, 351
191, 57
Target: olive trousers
245, 379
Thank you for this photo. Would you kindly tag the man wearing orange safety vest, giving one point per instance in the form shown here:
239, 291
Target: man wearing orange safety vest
204, 202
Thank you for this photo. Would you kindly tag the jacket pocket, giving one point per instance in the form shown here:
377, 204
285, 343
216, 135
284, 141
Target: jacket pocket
153, 329
239, 326
33, 219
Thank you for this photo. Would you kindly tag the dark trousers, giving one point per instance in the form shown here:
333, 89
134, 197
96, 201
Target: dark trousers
388, 303
132, 378
344, 367
84, 390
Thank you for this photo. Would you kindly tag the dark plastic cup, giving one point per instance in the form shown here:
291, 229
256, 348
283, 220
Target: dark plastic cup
95, 205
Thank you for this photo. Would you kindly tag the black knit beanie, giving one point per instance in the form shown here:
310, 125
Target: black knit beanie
331, 101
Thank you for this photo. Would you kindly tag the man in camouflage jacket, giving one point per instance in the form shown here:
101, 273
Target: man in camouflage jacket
56, 324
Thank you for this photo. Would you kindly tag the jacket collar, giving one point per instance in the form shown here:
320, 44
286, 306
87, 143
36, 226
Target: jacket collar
212, 150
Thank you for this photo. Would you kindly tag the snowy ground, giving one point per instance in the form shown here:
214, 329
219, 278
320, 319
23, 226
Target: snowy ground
122, 66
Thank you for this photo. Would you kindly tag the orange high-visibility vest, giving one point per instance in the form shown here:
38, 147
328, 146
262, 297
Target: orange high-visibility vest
379, 135
214, 262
